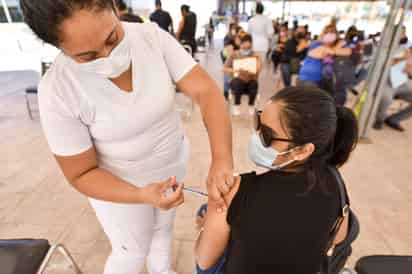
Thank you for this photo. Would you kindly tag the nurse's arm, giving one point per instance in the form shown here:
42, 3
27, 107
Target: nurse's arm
212, 241
200, 87
84, 175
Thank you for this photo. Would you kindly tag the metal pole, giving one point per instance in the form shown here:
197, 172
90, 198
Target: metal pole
244, 6
283, 10
379, 72
6, 10
290, 8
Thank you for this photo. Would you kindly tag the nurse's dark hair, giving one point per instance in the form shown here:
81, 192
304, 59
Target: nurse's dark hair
310, 115
44, 17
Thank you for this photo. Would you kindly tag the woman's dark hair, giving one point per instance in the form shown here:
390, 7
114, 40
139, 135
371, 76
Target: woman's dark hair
310, 116
232, 26
246, 38
260, 8
45, 16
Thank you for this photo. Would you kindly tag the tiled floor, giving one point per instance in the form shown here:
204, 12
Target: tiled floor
35, 200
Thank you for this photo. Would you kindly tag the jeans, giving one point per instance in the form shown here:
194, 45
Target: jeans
308, 83
240, 87
404, 93
286, 74
216, 269
226, 84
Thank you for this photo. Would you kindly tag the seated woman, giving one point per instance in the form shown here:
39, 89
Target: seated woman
231, 44
279, 221
321, 52
244, 82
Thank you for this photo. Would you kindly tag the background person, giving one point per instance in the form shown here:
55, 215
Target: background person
231, 44
162, 18
403, 92
320, 54
261, 29
243, 82
280, 221
280, 46
107, 111
292, 55
187, 28
126, 14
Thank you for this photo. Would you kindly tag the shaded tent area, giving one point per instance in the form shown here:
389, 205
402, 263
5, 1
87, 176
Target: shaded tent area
371, 94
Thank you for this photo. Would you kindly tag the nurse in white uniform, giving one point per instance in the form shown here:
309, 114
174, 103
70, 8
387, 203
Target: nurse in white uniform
107, 110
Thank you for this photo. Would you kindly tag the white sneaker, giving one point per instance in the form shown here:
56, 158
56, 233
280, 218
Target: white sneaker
251, 111
236, 110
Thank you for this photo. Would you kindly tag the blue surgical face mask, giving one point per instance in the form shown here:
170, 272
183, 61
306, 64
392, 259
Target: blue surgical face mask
245, 52
265, 156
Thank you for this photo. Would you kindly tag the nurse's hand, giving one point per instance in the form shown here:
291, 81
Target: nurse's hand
164, 195
220, 181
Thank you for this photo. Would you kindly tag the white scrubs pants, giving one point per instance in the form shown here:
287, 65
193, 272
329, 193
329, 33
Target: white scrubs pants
136, 232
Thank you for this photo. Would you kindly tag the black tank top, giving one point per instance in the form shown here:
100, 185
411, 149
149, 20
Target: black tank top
189, 28
277, 227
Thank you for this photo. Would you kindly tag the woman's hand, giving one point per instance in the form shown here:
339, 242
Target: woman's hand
158, 196
220, 181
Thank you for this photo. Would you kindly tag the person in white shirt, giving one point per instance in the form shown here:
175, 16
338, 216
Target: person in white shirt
108, 112
261, 29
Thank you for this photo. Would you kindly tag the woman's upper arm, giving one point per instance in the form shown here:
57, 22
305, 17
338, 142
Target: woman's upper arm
213, 241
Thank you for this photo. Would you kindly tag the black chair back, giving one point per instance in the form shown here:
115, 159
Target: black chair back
384, 264
22, 256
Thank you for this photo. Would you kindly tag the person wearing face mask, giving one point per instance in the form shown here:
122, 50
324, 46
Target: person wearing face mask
320, 54
279, 221
108, 113
292, 55
229, 41
280, 47
231, 44
244, 82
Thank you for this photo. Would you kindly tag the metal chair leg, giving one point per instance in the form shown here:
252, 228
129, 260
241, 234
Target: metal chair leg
60, 248
28, 107
64, 251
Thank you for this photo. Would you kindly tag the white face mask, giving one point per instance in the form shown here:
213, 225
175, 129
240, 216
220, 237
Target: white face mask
113, 65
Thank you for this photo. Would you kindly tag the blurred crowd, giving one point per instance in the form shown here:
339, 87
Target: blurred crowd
336, 61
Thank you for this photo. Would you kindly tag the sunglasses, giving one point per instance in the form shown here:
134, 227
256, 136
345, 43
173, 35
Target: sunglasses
266, 133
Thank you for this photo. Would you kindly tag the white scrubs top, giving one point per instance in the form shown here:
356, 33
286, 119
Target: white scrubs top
138, 136
261, 29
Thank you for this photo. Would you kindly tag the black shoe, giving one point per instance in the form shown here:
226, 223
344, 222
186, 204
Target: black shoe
394, 125
378, 125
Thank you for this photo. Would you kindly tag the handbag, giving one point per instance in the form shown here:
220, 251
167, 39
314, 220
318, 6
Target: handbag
336, 255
